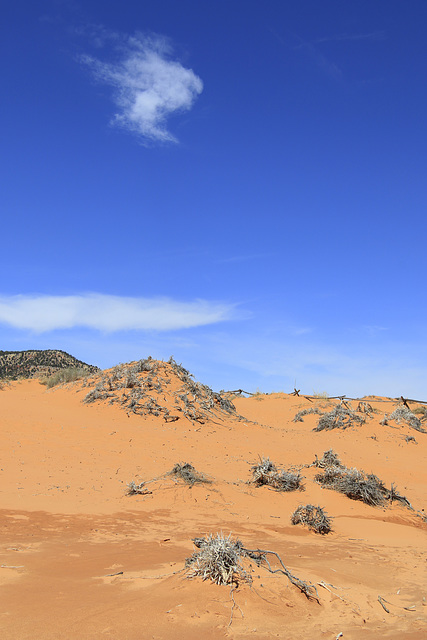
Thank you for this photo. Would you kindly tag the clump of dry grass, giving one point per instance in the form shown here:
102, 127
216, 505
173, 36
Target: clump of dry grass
305, 412
186, 472
70, 374
355, 485
340, 417
315, 518
219, 560
266, 473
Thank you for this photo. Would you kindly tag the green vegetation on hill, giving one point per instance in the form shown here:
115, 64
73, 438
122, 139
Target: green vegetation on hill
38, 363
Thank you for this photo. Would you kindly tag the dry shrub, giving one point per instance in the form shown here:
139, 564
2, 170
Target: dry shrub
222, 560
355, 485
70, 374
305, 412
266, 473
219, 560
136, 489
339, 418
186, 472
314, 517
403, 414
329, 459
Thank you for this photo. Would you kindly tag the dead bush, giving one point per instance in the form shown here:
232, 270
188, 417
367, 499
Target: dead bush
219, 560
329, 459
403, 414
136, 489
339, 418
305, 412
222, 560
266, 473
315, 518
354, 484
186, 472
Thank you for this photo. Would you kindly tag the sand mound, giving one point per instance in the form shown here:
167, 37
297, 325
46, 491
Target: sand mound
157, 388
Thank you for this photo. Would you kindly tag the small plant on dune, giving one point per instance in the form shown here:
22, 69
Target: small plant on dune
134, 489
410, 439
315, 518
266, 473
305, 412
186, 472
340, 417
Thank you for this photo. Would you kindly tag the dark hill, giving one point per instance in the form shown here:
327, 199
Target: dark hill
35, 363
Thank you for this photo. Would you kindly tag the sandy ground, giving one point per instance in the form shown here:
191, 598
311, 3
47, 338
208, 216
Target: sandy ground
81, 559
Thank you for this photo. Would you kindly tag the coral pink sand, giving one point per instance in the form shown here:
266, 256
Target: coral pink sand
81, 559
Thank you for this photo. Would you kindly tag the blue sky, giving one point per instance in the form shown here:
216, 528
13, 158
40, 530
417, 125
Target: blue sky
239, 184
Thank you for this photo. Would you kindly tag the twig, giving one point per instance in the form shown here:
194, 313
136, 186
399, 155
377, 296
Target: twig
234, 605
164, 575
381, 601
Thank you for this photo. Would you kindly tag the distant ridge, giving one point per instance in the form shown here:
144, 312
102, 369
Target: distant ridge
36, 363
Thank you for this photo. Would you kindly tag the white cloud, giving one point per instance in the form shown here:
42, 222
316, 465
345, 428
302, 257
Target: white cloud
108, 313
149, 86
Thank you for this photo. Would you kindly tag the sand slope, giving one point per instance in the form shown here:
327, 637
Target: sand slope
67, 525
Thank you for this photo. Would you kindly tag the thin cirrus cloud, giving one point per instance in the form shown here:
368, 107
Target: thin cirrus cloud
149, 86
108, 313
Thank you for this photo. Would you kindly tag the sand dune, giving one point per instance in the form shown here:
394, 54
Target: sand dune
82, 559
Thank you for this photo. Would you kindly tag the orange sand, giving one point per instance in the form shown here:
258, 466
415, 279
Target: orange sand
66, 523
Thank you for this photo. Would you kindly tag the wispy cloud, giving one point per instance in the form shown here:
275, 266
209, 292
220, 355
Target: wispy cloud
149, 86
348, 37
320, 60
108, 313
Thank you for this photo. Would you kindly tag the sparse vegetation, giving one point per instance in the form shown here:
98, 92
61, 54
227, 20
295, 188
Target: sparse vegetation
70, 374
315, 518
340, 417
266, 473
141, 388
38, 363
